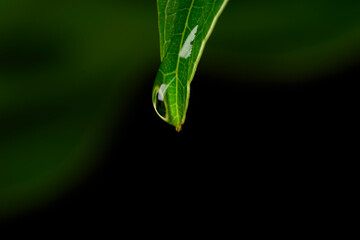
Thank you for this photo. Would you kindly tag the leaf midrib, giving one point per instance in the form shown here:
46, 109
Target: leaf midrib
178, 58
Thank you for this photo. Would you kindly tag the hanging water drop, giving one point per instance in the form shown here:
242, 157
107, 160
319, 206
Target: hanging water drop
161, 108
160, 105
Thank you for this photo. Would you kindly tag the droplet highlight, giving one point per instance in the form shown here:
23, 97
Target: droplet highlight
162, 90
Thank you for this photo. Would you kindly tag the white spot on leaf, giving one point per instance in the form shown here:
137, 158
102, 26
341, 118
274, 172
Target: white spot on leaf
187, 46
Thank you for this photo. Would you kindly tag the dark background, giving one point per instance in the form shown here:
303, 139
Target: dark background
272, 109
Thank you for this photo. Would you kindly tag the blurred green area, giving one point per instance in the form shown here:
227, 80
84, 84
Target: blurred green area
66, 65
282, 40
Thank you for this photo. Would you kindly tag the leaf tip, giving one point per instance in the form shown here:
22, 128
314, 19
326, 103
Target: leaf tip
178, 128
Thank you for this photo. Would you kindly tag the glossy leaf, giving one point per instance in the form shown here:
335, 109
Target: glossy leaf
184, 26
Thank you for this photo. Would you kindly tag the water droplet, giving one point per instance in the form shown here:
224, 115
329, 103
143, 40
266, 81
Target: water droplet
160, 98
160, 108
187, 47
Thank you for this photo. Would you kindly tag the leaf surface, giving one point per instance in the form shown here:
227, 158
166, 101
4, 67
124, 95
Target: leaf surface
184, 27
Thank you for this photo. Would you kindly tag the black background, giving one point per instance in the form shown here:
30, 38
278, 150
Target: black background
242, 148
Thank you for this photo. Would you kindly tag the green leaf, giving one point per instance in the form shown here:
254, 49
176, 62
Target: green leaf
184, 26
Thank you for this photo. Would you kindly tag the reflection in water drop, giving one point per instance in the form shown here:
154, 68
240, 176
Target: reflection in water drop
187, 46
162, 90
160, 98
160, 105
